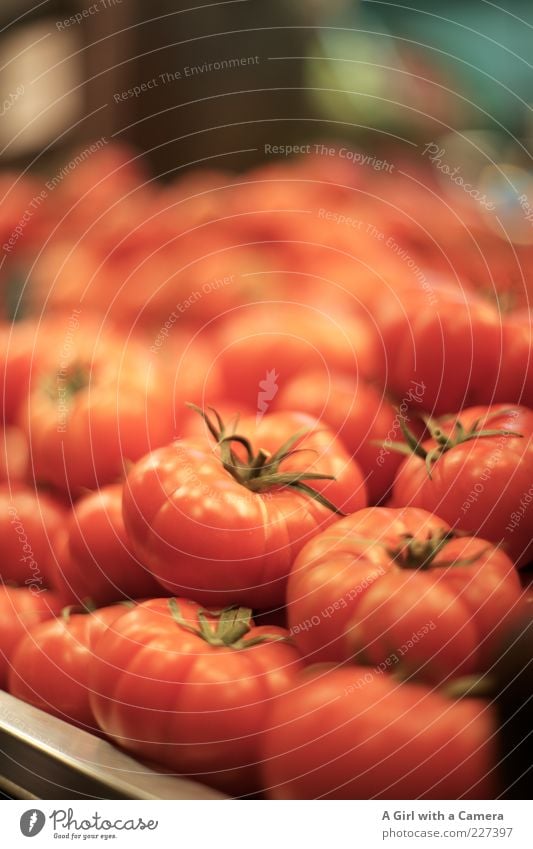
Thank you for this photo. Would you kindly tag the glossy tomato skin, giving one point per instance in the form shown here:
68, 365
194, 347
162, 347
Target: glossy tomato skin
359, 415
202, 533
50, 666
14, 455
479, 486
93, 553
353, 595
30, 523
20, 610
169, 696
383, 740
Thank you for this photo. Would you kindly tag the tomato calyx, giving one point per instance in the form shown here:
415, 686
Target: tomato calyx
445, 442
68, 383
83, 608
420, 554
261, 470
232, 624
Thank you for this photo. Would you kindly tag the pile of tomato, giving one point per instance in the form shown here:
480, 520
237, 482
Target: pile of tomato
266, 476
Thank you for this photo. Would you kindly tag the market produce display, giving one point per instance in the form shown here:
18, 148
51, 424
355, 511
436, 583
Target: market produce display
266, 477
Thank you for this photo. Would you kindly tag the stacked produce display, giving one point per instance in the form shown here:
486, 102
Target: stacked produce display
266, 494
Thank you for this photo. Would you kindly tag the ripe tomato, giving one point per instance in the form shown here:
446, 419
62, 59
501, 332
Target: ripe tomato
224, 525
190, 689
395, 589
100, 409
29, 525
50, 667
263, 346
93, 553
14, 457
354, 734
358, 414
475, 472
20, 610
449, 340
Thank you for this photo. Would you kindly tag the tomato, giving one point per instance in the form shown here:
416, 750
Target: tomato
14, 455
104, 406
190, 689
224, 525
354, 734
358, 414
50, 667
476, 473
394, 588
447, 339
260, 347
20, 610
93, 553
29, 525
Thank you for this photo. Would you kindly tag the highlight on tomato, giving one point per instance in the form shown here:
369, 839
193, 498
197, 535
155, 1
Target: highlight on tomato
222, 520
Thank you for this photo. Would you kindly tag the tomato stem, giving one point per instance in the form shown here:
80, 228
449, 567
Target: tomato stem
224, 628
261, 471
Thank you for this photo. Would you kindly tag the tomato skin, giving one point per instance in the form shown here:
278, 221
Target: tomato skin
20, 610
203, 534
383, 740
169, 696
452, 345
358, 414
348, 598
50, 666
93, 553
82, 437
287, 339
14, 455
29, 525
479, 485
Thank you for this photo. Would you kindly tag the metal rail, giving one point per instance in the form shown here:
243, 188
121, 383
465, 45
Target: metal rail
42, 757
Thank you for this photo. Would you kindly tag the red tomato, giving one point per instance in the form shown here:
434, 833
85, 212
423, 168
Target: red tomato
224, 525
263, 346
20, 610
190, 689
93, 552
50, 667
358, 414
480, 484
103, 408
395, 589
446, 339
14, 456
354, 734
29, 525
